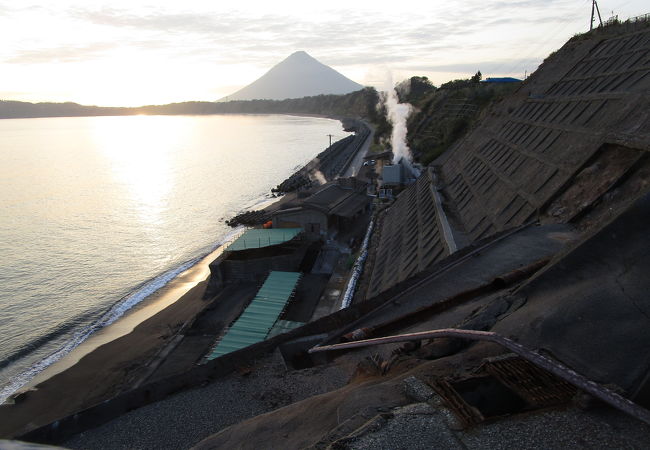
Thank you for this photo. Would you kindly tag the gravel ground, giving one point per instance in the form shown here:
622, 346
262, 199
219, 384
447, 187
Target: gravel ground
184, 419
561, 429
414, 427
417, 427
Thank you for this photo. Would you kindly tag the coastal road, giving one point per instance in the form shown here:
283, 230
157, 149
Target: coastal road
357, 163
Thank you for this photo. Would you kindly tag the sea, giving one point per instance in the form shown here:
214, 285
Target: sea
98, 213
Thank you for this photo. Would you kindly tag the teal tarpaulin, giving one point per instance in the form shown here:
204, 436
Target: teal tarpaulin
257, 322
258, 238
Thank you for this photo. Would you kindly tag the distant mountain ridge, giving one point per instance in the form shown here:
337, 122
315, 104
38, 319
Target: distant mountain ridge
299, 75
355, 104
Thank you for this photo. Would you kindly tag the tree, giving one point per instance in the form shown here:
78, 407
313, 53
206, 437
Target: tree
477, 77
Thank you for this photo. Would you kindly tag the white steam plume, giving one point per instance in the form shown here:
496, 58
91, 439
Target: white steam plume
397, 113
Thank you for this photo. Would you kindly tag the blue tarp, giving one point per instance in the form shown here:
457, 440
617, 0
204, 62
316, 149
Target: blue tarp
501, 80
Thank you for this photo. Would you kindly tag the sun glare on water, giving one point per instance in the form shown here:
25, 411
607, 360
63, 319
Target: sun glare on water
141, 153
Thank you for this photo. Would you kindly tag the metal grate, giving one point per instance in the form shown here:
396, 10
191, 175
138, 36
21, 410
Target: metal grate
538, 387
467, 414
509, 385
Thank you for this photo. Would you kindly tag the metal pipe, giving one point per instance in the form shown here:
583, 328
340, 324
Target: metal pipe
607, 395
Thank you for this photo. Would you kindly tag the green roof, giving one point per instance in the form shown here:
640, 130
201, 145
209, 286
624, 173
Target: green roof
258, 238
260, 319
283, 326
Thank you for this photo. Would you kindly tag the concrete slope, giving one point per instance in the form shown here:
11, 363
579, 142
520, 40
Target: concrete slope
588, 100
588, 308
575, 132
591, 309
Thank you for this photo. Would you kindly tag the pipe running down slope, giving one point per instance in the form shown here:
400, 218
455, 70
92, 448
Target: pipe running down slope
581, 382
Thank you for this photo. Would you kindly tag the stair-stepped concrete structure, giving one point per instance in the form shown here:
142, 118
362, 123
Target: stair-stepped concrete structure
531, 148
410, 240
585, 110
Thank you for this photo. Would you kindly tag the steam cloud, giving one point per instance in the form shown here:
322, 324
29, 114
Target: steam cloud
397, 113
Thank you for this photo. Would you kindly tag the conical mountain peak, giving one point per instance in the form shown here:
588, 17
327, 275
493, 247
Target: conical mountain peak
299, 75
300, 54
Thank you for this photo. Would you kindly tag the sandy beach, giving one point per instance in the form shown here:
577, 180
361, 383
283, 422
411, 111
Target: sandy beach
90, 375
121, 356
118, 357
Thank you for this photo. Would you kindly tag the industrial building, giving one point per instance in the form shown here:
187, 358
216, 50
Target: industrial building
331, 208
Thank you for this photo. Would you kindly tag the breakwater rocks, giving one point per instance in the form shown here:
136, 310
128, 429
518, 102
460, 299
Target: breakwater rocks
250, 218
328, 165
331, 163
297, 181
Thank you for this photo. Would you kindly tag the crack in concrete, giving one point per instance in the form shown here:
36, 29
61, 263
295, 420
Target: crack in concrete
620, 285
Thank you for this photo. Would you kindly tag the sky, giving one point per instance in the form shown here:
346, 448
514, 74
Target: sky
134, 52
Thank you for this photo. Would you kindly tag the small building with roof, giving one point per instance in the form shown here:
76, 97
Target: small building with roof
333, 205
254, 253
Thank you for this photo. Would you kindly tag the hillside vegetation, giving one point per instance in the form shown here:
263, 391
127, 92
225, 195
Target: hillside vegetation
443, 115
356, 104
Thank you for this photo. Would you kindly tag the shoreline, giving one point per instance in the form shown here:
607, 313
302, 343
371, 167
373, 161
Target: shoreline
116, 358
318, 116
146, 309
113, 359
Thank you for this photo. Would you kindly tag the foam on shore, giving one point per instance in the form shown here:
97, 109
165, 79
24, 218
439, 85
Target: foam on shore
138, 296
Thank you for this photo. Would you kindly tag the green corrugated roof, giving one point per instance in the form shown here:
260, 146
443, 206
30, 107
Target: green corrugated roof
283, 326
257, 322
258, 238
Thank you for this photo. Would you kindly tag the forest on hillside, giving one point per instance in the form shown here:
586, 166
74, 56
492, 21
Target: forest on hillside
441, 115
361, 103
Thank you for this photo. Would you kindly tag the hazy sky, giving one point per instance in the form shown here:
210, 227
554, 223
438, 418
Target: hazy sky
136, 52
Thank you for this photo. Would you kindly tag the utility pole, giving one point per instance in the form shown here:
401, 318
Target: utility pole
330, 135
594, 7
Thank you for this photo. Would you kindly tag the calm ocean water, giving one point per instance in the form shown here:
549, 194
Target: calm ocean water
98, 212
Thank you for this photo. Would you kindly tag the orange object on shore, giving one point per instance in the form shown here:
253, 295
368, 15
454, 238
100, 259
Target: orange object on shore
268, 224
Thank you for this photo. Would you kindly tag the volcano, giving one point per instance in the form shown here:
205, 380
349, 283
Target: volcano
299, 75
